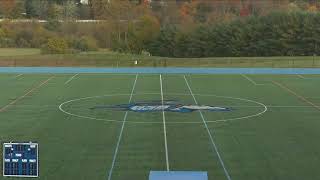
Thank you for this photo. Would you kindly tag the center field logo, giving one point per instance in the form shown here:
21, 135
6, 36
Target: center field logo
154, 106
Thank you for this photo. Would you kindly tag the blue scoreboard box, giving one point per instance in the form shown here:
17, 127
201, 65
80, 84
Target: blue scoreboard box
20, 160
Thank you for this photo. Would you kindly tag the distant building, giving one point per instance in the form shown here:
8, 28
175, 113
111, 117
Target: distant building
84, 1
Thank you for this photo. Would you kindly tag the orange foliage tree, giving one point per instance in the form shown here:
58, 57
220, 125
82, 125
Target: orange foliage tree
7, 6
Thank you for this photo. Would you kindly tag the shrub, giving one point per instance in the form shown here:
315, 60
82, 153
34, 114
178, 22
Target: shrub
55, 46
85, 43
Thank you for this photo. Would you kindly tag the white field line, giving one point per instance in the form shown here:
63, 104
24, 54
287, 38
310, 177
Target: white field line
26, 94
18, 75
296, 94
70, 79
252, 81
209, 133
222, 105
164, 127
309, 78
300, 76
121, 132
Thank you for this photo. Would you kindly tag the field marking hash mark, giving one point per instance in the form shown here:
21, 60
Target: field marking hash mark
209, 133
121, 132
26, 94
296, 94
164, 126
70, 79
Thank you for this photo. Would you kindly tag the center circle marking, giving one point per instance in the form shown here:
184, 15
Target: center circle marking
265, 109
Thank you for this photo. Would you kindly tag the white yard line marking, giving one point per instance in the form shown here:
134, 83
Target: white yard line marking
18, 75
209, 133
252, 81
23, 96
121, 132
70, 79
164, 126
296, 94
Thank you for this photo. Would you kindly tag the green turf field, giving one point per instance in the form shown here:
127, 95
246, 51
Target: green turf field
272, 131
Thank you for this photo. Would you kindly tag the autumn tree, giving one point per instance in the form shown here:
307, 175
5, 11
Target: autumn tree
7, 7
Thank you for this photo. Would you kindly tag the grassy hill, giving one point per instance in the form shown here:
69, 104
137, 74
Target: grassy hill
106, 58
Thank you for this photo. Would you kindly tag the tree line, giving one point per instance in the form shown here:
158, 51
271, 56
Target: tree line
277, 34
184, 28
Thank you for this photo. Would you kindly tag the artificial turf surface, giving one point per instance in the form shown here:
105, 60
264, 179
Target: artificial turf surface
280, 143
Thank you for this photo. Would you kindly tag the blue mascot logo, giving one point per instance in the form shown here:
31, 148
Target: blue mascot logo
169, 106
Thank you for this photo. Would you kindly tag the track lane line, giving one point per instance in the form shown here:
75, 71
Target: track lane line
226, 172
295, 94
23, 96
121, 132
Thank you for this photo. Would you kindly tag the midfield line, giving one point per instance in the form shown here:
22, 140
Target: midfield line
121, 132
164, 127
209, 133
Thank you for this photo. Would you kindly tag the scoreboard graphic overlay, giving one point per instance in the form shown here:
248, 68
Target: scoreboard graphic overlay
20, 159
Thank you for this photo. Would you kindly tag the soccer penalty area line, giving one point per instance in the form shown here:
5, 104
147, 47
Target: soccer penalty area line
226, 172
121, 132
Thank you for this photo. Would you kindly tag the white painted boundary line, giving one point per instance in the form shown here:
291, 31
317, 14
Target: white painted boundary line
209, 133
296, 94
300, 76
252, 81
307, 78
164, 127
70, 79
18, 75
23, 96
121, 132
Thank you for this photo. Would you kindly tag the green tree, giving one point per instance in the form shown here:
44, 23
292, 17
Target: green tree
142, 32
70, 10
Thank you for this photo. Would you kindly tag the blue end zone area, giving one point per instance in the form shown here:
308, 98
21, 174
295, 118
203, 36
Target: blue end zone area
67, 70
178, 175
